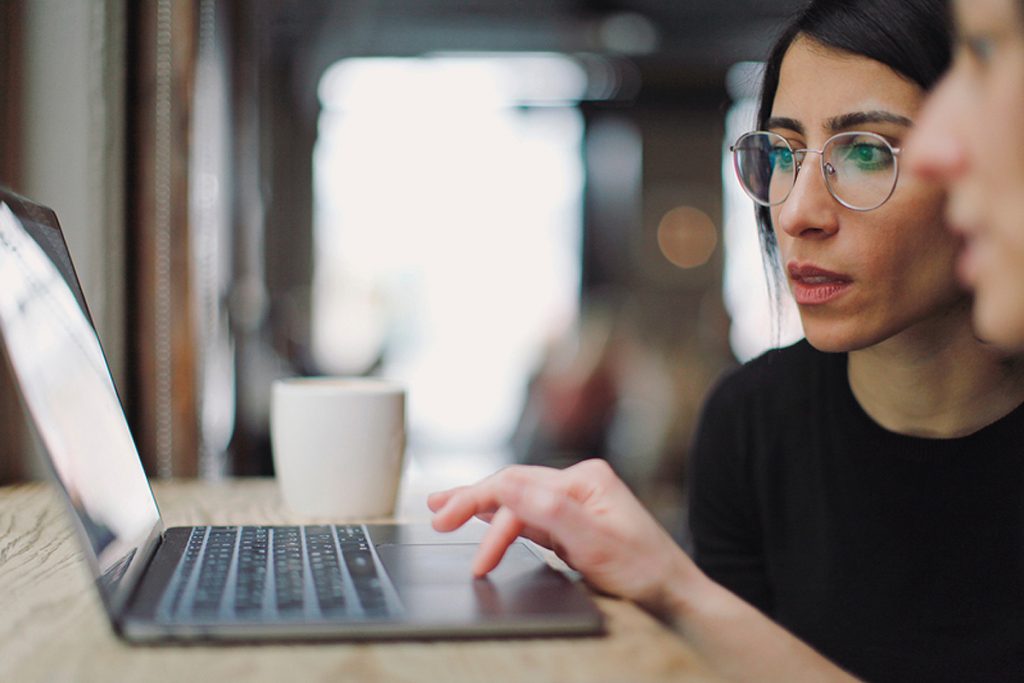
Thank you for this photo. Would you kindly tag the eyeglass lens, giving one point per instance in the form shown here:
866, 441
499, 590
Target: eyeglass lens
859, 168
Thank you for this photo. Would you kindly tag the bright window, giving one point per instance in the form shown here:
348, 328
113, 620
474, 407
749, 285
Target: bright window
448, 195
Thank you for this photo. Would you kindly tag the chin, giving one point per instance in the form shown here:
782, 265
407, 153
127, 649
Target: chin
835, 341
840, 334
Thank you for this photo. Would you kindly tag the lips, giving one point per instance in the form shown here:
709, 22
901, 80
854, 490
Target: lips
814, 286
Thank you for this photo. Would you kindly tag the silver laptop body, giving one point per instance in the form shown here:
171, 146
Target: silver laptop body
226, 582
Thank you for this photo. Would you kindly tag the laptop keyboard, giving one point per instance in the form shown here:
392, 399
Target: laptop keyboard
256, 572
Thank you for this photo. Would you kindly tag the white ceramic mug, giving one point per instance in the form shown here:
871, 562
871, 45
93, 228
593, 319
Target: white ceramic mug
338, 445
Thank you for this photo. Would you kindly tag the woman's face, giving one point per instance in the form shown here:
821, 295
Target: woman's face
859, 278
971, 138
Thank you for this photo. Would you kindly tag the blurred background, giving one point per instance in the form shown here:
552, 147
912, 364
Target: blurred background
523, 210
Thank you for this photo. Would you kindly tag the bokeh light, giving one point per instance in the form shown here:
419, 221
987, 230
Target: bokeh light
687, 236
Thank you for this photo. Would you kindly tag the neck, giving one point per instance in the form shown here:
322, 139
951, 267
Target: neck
936, 380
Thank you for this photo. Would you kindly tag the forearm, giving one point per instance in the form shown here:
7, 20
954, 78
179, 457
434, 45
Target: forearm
736, 639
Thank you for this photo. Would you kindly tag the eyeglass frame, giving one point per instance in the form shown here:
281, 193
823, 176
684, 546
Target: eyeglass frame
822, 164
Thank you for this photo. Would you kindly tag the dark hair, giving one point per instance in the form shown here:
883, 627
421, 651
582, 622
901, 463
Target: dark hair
912, 37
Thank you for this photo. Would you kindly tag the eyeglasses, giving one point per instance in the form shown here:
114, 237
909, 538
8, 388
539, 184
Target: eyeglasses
860, 169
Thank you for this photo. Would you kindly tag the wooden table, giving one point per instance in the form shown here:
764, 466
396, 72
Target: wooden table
53, 627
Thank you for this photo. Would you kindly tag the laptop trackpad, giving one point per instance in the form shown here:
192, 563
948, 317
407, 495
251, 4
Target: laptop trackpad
435, 579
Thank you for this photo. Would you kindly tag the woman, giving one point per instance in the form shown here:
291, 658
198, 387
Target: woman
836, 484
971, 140
830, 489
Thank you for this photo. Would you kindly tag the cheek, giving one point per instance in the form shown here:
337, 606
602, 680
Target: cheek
912, 275
774, 213
998, 134
782, 239
919, 261
916, 225
937, 258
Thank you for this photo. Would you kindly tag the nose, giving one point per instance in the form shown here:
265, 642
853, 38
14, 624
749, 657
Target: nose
810, 211
934, 151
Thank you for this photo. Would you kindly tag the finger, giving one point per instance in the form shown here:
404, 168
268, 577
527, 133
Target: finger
463, 506
437, 499
486, 496
504, 530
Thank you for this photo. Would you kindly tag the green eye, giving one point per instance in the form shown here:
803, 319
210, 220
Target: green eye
865, 156
781, 158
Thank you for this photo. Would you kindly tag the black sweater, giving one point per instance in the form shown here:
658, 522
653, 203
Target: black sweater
898, 558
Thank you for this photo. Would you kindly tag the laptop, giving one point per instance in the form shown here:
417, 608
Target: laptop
323, 581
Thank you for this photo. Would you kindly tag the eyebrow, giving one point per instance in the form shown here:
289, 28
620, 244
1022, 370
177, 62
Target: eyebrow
787, 123
843, 121
858, 118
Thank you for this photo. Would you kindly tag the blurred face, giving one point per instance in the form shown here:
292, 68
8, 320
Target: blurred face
971, 138
858, 277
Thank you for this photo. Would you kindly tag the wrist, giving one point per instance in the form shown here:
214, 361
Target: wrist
681, 591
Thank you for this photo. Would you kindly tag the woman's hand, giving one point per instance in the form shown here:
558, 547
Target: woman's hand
585, 513
590, 518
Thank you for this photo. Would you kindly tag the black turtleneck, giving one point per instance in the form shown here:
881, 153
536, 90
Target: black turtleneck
899, 558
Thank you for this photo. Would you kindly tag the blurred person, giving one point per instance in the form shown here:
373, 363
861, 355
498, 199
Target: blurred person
971, 139
855, 497
572, 397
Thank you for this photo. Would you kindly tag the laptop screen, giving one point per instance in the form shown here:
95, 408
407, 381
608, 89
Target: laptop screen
67, 388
